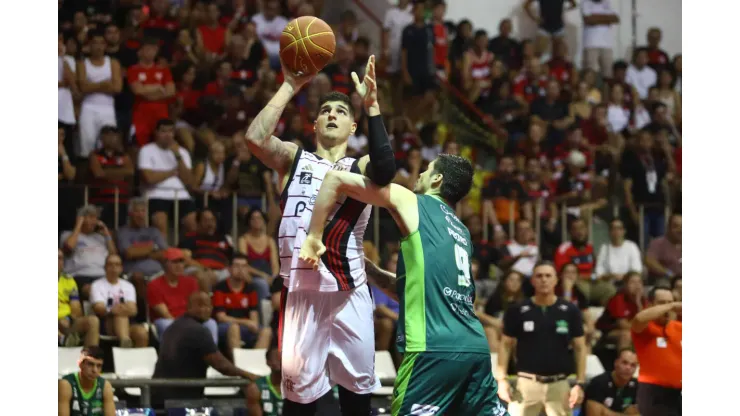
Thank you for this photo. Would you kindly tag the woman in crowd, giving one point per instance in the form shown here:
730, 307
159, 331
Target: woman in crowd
508, 292
260, 249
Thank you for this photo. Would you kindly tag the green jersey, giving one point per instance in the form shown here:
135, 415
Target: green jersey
85, 403
435, 288
270, 398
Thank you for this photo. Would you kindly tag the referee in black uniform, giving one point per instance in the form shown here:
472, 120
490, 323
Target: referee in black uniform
543, 328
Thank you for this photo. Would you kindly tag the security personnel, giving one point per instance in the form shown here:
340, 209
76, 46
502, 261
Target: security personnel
544, 328
614, 393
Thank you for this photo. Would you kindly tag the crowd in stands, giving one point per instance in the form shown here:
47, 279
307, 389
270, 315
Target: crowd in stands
155, 96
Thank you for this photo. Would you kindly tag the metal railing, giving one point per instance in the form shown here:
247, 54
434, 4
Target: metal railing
145, 384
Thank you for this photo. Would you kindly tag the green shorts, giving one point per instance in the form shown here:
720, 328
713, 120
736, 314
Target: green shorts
439, 383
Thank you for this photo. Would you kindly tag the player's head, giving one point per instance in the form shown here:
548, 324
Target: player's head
272, 356
448, 176
91, 362
625, 364
335, 121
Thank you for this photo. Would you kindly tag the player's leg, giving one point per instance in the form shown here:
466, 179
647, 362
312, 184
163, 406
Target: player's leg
481, 393
427, 384
351, 360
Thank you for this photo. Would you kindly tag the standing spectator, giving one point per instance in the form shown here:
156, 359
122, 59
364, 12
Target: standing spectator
615, 322
508, 292
441, 36
504, 47
66, 90
460, 44
531, 83
210, 248
395, 20
70, 314
417, 64
550, 23
614, 393
86, 391
657, 336
476, 69
167, 295
663, 257
581, 252
677, 71
484, 250
66, 173
544, 329
522, 252
347, 31
112, 172
261, 251
269, 27
569, 292
598, 35
552, 112
619, 256
114, 301
66, 170
153, 88
85, 248
504, 197
640, 75
165, 173
339, 71
561, 68
99, 78
213, 37
657, 57
236, 309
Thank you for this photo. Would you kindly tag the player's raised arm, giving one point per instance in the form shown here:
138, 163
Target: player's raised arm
379, 164
270, 150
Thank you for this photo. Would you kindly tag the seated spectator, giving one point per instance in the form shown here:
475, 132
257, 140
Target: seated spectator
165, 174
560, 68
505, 109
114, 302
573, 188
210, 175
185, 109
113, 174
86, 390
236, 309
142, 247
640, 75
217, 87
668, 95
269, 26
618, 115
483, 250
521, 253
663, 257
167, 295
630, 97
580, 108
618, 256
85, 248
551, 111
246, 55
213, 37
160, 24
504, 197
505, 47
507, 293
340, 70
615, 322
676, 286
211, 250
657, 58
531, 83
614, 393
261, 252
386, 312
72, 323
186, 351
186, 50
532, 146
594, 92
409, 168
573, 141
567, 290
251, 178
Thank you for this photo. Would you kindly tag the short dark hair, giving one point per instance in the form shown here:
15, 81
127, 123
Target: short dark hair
164, 122
239, 256
96, 33
93, 352
623, 350
654, 290
545, 263
457, 177
337, 96
200, 213
619, 65
479, 33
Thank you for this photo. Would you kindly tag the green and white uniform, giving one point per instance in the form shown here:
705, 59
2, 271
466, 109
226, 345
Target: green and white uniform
271, 400
85, 403
447, 364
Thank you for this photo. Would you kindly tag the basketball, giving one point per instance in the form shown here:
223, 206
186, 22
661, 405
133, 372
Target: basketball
306, 45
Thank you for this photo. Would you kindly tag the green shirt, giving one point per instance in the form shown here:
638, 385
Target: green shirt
435, 289
271, 400
85, 403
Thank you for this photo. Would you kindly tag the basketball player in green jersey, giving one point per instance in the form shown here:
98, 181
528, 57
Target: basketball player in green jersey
86, 393
446, 367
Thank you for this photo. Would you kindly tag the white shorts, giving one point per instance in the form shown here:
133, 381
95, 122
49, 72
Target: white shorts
92, 119
327, 338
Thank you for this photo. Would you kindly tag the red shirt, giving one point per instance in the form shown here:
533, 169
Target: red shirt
561, 151
214, 39
441, 48
582, 257
189, 98
175, 298
214, 88
529, 89
561, 70
594, 133
619, 307
151, 75
235, 304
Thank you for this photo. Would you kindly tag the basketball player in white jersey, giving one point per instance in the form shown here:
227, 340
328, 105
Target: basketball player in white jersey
99, 78
326, 323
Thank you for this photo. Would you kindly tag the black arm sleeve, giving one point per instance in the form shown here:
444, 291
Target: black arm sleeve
382, 166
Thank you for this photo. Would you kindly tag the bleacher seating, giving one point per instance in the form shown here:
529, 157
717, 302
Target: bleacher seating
134, 363
251, 360
593, 367
218, 391
68, 357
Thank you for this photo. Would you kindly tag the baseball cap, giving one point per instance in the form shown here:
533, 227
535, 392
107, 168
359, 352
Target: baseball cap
172, 254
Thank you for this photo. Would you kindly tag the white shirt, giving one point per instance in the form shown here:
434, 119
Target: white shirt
357, 142
269, 32
597, 36
102, 291
618, 117
394, 22
641, 79
66, 112
524, 265
619, 260
153, 157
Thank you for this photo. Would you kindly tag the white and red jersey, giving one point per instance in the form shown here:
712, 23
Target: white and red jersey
480, 68
342, 267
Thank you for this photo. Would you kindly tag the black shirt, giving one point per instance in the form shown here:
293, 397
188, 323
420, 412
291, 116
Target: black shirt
418, 41
507, 50
551, 13
647, 174
558, 110
181, 355
250, 182
603, 390
504, 188
487, 254
543, 336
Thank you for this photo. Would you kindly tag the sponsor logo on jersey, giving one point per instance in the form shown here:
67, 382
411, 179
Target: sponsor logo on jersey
306, 178
455, 295
300, 206
561, 326
424, 409
460, 239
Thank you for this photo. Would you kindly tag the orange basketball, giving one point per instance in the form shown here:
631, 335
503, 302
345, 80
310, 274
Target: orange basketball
306, 45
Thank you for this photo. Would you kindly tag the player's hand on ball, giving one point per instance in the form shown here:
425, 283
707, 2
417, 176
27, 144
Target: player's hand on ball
295, 80
368, 88
312, 250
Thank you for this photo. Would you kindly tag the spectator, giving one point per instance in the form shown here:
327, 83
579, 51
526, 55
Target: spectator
114, 301
165, 171
630, 97
594, 92
186, 109
417, 64
386, 313
460, 44
187, 350
663, 257
167, 295
615, 322
536, 185
186, 50
657, 336
619, 256
522, 252
657, 57
531, 147
66, 173
640, 75
66, 170
668, 95
561, 154
569, 292
614, 393
210, 174
531, 83
544, 355
476, 69
160, 25
598, 35
677, 71
246, 55
483, 250
213, 37
361, 53
508, 292
269, 26
441, 36
505, 109
408, 169
339, 71
217, 87
550, 23
580, 252
573, 188
552, 112
505, 47
395, 20
347, 31
112, 172
72, 323
504, 197
250, 177
210, 248
236, 309
66, 90
86, 391
261, 252
86, 248
99, 78
617, 113
676, 285
561, 68
153, 88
